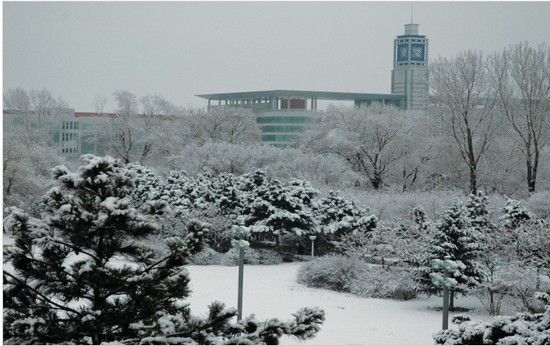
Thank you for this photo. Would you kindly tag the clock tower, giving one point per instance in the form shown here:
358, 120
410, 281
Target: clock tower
410, 68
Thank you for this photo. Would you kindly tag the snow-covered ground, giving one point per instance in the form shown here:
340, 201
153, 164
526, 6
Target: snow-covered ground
272, 291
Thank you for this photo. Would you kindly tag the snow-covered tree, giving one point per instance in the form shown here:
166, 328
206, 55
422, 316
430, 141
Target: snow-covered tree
224, 124
274, 208
337, 216
244, 158
31, 120
149, 185
345, 225
521, 329
465, 102
37, 111
522, 76
26, 174
455, 237
477, 212
83, 272
514, 214
513, 259
138, 129
370, 139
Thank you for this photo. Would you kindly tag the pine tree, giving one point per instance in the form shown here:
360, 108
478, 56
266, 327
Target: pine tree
338, 216
226, 194
453, 236
345, 225
477, 213
149, 186
83, 272
274, 209
515, 214
178, 192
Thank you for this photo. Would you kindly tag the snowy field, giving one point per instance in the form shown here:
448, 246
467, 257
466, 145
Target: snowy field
272, 291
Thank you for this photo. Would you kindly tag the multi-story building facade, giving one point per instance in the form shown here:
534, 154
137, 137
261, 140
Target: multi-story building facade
72, 133
410, 75
283, 114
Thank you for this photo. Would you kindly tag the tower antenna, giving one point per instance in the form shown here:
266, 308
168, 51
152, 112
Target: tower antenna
411, 14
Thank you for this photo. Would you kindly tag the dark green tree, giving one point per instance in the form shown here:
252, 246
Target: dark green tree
477, 213
515, 214
453, 236
84, 273
274, 209
338, 216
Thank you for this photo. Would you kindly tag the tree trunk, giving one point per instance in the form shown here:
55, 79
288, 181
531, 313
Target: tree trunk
532, 174
452, 300
471, 161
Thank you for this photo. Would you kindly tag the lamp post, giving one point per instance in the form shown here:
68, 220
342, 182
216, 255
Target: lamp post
448, 266
312, 237
240, 232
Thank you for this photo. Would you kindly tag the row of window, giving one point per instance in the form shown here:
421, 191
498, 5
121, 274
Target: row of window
406, 40
69, 150
411, 63
280, 120
283, 129
278, 138
69, 137
70, 125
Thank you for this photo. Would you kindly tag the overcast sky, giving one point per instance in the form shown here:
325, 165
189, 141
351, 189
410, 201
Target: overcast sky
78, 50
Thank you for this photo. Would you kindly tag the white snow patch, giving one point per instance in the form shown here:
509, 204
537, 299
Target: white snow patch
272, 292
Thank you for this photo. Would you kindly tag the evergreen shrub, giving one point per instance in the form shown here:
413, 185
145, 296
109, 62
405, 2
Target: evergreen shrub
384, 282
207, 256
334, 272
350, 274
539, 204
521, 329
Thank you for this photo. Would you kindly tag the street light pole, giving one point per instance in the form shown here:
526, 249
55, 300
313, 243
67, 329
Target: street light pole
241, 279
239, 231
445, 299
312, 237
448, 266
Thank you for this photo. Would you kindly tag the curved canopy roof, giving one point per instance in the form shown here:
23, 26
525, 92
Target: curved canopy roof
322, 95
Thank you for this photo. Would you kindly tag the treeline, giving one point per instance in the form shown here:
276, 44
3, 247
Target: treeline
487, 128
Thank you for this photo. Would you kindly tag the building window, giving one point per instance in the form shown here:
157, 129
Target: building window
278, 138
69, 137
69, 150
279, 120
70, 125
283, 129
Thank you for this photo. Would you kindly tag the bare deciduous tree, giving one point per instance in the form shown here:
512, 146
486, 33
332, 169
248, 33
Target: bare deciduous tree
522, 77
225, 124
121, 129
465, 102
37, 110
140, 129
370, 139
154, 110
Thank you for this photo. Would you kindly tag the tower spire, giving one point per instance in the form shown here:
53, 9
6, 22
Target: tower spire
412, 15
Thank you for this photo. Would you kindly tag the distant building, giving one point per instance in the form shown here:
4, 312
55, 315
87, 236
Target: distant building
410, 68
281, 114
284, 114
72, 133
